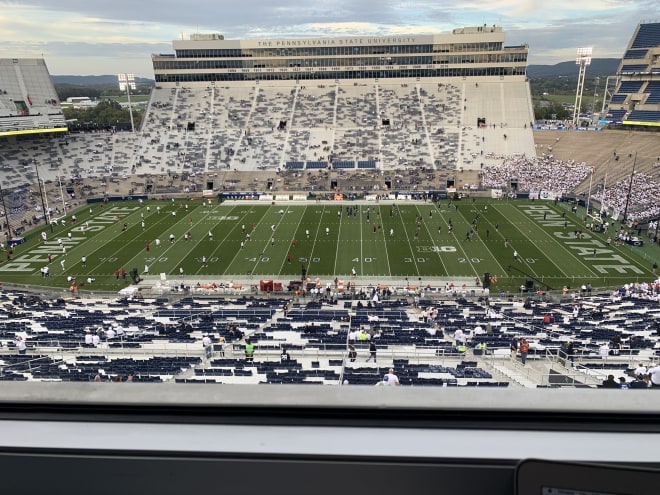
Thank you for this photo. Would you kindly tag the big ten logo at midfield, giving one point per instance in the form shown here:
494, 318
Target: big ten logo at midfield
222, 218
436, 249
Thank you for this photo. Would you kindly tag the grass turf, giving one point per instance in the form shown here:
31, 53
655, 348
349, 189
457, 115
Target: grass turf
399, 241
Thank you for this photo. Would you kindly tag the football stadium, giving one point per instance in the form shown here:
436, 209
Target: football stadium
318, 211
350, 214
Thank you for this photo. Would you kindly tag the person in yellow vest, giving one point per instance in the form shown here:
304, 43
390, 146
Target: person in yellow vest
249, 351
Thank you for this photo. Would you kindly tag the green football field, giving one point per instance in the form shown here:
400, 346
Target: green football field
377, 240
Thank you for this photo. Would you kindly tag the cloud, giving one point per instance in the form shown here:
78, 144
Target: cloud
129, 30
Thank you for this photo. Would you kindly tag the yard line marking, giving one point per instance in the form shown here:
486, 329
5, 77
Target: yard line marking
469, 225
382, 229
284, 261
361, 244
165, 214
229, 231
412, 251
437, 252
547, 234
316, 236
334, 270
268, 240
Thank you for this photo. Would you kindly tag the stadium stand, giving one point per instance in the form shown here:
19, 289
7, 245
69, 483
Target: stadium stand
653, 88
28, 101
630, 87
645, 115
633, 54
146, 340
420, 133
647, 36
635, 78
633, 68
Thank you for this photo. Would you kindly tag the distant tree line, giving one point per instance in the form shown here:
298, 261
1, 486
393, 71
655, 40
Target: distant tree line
65, 91
107, 114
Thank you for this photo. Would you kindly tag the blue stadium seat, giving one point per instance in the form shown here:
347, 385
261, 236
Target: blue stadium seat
653, 87
632, 68
648, 36
630, 87
633, 54
616, 115
644, 116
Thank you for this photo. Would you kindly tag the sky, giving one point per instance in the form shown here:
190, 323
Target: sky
94, 37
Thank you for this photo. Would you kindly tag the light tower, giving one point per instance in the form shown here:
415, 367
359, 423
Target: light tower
126, 83
583, 59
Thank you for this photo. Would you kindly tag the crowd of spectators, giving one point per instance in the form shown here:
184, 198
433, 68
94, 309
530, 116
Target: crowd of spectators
643, 204
542, 173
639, 290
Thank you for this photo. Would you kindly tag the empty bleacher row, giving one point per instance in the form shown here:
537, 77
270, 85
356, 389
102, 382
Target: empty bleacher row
648, 36
312, 165
635, 100
28, 100
157, 341
209, 130
262, 127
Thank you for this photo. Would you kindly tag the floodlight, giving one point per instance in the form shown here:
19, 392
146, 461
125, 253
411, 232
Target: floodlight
583, 59
584, 56
126, 81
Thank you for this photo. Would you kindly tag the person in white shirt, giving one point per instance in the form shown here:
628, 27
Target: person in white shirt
640, 370
459, 336
391, 379
96, 340
88, 338
20, 344
654, 375
110, 334
206, 340
604, 350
